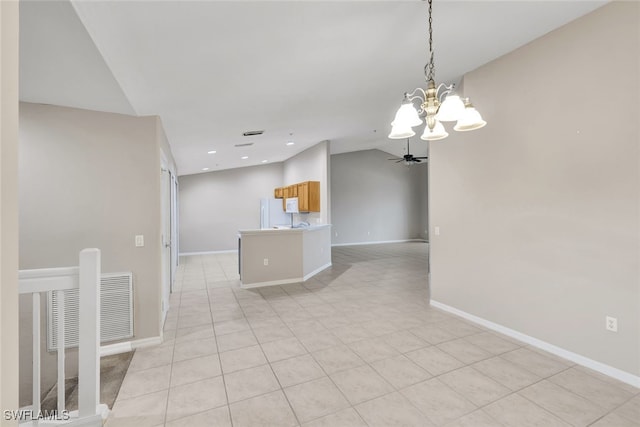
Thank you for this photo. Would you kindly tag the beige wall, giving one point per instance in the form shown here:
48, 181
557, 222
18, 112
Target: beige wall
8, 207
375, 200
91, 179
539, 211
215, 205
311, 165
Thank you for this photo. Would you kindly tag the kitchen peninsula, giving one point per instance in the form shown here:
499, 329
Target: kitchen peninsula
280, 256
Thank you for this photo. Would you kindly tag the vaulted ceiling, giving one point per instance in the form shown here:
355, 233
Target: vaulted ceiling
302, 71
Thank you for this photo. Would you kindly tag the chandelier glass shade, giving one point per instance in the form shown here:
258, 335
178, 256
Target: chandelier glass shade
437, 104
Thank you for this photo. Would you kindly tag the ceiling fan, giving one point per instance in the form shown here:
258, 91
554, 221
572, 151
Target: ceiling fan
408, 158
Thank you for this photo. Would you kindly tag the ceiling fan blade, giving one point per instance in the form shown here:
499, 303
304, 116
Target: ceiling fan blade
401, 160
425, 158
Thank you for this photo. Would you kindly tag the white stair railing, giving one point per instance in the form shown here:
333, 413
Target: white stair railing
86, 277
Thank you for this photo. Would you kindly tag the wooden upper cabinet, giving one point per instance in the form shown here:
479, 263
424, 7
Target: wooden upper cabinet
308, 194
314, 196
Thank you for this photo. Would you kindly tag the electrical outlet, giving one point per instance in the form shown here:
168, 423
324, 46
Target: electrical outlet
139, 241
611, 324
368, 233
436, 230
266, 261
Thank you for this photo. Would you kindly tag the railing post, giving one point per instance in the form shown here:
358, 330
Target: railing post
89, 333
36, 353
61, 347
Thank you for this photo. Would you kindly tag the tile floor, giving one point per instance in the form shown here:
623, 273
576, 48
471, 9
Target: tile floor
357, 345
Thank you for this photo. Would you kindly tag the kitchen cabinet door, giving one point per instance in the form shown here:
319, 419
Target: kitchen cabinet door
303, 196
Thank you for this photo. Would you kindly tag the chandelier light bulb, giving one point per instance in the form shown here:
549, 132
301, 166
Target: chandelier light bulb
470, 120
452, 109
401, 132
438, 132
407, 116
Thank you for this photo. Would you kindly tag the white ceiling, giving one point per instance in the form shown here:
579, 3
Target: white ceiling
305, 71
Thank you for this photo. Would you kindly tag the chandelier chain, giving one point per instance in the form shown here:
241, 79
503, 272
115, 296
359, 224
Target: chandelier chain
430, 67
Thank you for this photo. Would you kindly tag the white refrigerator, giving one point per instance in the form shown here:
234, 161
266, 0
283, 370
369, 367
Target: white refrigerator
272, 214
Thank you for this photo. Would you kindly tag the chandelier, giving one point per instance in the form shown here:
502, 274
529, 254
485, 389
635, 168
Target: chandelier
437, 104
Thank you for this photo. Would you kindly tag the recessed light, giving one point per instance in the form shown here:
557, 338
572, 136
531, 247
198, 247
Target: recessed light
244, 157
211, 152
290, 143
265, 161
205, 169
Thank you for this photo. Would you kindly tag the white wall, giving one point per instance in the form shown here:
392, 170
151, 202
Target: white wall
374, 199
91, 179
215, 205
539, 210
9, 207
311, 165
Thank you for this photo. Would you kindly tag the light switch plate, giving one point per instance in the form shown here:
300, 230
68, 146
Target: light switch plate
139, 241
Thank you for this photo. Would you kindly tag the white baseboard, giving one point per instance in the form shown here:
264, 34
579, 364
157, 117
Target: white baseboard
126, 346
379, 242
316, 271
286, 281
226, 251
607, 370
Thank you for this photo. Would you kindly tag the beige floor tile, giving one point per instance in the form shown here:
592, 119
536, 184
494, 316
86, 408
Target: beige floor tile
438, 402
630, 410
236, 340
218, 417
476, 387
506, 373
515, 410
141, 411
404, 341
315, 341
478, 418
193, 349
361, 383
464, 351
337, 358
297, 370
195, 333
269, 334
537, 363
283, 349
250, 383
195, 319
615, 420
488, 341
373, 349
270, 409
230, 326
193, 370
627, 387
601, 393
345, 418
434, 360
151, 357
432, 334
392, 410
242, 358
400, 371
195, 397
315, 399
145, 382
351, 333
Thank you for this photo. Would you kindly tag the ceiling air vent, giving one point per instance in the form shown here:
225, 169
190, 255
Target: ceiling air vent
246, 144
253, 132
